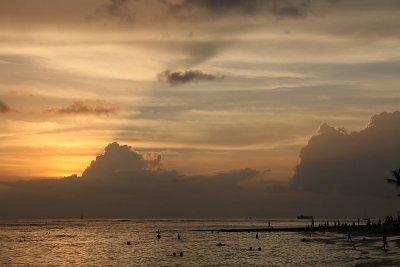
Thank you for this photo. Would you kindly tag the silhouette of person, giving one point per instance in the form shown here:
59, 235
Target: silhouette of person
158, 236
179, 236
257, 235
269, 224
349, 236
384, 238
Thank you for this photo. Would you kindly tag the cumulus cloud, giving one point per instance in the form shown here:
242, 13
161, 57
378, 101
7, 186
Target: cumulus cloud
80, 108
121, 158
124, 183
121, 182
357, 163
4, 108
183, 77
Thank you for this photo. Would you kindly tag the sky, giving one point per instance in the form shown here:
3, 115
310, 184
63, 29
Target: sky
264, 101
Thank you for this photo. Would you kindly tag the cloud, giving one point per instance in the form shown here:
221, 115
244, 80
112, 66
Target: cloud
4, 108
150, 12
80, 108
121, 158
183, 77
115, 9
337, 162
279, 8
122, 183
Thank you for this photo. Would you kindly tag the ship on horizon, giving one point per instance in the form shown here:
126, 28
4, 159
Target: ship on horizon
301, 217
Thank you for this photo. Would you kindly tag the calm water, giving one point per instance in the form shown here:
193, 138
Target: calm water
103, 243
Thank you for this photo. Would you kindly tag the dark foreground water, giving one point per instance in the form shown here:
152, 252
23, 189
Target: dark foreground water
104, 243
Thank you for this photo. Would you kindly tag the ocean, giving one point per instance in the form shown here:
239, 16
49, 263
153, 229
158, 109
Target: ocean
104, 243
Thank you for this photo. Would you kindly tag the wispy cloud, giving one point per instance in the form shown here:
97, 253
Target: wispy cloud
116, 9
80, 108
278, 8
4, 108
182, 77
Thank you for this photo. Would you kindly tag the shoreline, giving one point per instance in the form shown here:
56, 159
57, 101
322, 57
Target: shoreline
373, 230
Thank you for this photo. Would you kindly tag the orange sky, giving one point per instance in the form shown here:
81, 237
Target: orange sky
245, 88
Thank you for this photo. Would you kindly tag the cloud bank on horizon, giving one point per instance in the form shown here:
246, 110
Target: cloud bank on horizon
336, 168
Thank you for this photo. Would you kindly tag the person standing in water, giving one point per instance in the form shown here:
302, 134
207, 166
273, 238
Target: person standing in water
158, 234
384, 239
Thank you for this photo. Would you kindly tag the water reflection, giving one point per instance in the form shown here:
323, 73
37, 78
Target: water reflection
104, 243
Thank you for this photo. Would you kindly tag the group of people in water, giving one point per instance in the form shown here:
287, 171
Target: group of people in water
219, 244
336, 224
352, 226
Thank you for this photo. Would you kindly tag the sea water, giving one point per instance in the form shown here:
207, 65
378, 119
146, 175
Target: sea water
104, 243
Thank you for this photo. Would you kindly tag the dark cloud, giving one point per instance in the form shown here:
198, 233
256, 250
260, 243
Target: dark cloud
4, 108
124, 183
183, 77
80, 108
278, 8
335, 161
116, 9
120, 158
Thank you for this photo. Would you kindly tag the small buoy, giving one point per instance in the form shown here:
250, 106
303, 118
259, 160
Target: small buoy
303, 240
128, 243
181, 254
220, 244
20, 240
259, 249
174, 254
251, 248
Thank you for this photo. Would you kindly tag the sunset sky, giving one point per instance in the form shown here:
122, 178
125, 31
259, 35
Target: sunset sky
210, 85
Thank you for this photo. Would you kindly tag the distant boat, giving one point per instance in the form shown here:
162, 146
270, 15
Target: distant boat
301, 217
